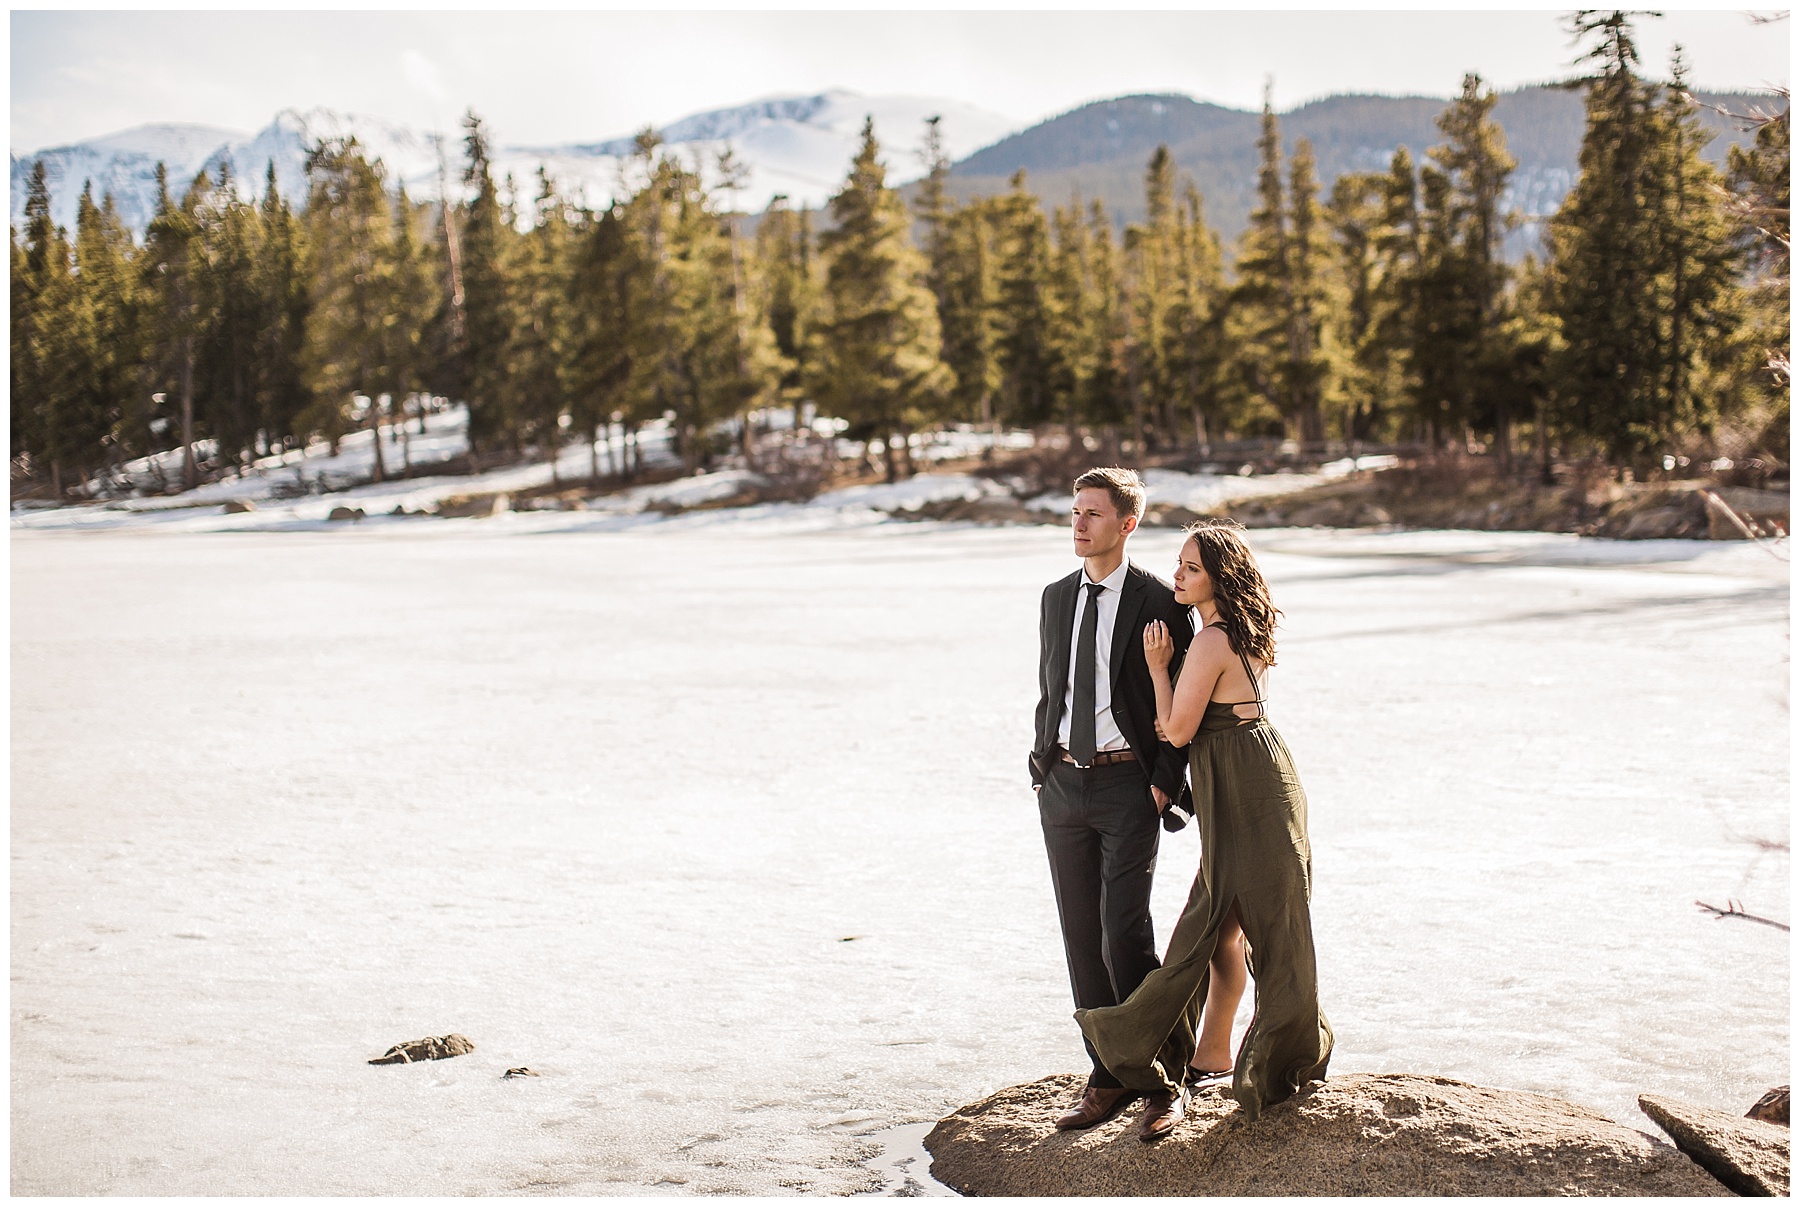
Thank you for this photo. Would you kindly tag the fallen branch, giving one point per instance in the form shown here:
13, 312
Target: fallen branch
1752, 532
1735, 909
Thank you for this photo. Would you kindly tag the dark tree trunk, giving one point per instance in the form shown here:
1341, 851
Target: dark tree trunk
375, 437
190, 473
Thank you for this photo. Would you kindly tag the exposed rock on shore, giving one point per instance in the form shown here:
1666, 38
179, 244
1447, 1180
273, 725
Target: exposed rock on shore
1747, 1155
1362, 1134
1423, 498
476, 507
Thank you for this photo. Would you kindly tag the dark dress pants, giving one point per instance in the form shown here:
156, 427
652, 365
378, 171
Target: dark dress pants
1101, 830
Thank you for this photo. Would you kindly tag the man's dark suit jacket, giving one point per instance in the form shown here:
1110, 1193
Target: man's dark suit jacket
1143, 598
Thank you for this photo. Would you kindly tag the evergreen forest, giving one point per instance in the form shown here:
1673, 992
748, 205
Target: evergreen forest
1651, 330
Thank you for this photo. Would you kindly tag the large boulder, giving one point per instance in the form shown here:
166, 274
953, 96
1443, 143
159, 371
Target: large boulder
1747, 1155
1362, 1134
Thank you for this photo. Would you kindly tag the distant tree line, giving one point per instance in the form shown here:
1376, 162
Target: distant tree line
1656, 321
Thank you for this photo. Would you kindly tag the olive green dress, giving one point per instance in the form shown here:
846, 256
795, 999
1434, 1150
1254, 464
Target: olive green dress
1254, 850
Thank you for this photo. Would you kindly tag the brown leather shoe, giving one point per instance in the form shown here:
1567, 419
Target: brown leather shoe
1161, 1113
1097, 1105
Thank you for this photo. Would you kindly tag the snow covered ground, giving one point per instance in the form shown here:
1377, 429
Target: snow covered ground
720, 823
286, 489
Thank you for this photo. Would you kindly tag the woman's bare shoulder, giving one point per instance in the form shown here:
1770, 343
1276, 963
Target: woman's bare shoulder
1209, 642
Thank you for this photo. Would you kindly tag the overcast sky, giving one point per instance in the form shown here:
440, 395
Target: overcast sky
550, 77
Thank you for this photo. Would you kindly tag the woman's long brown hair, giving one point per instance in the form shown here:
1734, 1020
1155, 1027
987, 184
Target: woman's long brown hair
1239, 591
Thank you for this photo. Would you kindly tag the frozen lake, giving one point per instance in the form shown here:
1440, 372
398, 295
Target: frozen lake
722, 827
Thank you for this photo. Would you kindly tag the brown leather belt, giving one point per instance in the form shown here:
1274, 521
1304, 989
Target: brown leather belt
1104, 758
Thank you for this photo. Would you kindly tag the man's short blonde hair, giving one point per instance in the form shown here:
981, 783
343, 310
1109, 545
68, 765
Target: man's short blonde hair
1123, 485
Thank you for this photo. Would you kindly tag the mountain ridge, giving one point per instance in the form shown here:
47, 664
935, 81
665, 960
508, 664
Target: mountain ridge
800, 146
1099, 151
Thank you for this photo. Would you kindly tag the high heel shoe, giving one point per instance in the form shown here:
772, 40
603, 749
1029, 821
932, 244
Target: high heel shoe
1197, 1077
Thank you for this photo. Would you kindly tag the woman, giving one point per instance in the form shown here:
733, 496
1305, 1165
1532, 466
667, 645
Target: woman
1255, 875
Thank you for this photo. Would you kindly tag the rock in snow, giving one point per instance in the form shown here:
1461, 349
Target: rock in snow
1362, 1134
1771, 1107
475, 507
1747, 1155
432, 1047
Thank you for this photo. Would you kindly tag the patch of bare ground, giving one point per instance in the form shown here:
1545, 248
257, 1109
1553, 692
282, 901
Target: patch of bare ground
1474, 496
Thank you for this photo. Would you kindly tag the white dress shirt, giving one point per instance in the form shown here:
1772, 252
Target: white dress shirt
1106, 730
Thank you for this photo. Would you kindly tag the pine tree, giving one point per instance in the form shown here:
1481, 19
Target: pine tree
1525, 343
1606, 368
1151, 252
488, 309
1198, 349
413, 299
1377, 227
627, 355
1702, 264
171, 265
877, 362
359, 338
35, 266
783, 260
602, 347
1069, 285
1104, 399
1356, 216
1024, 338
969, 311
1444, 330
1641, 264
541, 339
1262, 299
672, 319
1476, 165
284, 298
1758, 177
232, 315
59, 335
110, 362
1176, 340
933, 208
1310, 301
725, 364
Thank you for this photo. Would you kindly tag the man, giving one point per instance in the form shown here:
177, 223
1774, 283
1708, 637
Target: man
1103, 778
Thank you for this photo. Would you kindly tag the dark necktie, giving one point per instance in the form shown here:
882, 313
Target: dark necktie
1081, 722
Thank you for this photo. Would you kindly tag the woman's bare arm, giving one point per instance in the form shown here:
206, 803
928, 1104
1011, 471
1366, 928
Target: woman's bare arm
1179, 707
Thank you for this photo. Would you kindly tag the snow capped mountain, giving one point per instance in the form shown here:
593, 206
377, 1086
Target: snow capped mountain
800, 146
411, 156
122, 164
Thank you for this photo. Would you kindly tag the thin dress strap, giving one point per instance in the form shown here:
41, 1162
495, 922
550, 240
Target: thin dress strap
1262, 708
